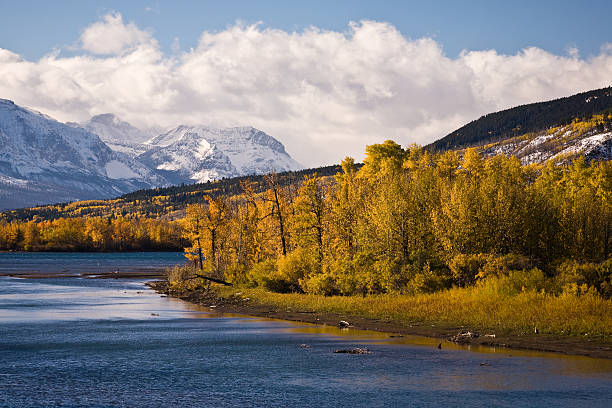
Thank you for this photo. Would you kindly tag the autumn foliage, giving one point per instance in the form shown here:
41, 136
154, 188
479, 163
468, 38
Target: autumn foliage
407, 221
410, 221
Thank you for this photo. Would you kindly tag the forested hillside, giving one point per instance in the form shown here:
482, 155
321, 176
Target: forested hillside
525, 119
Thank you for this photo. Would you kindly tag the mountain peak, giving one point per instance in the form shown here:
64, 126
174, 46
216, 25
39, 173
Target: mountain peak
107, 118
237, 151
117, 134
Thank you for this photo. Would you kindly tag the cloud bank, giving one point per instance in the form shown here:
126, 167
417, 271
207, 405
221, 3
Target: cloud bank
324, 94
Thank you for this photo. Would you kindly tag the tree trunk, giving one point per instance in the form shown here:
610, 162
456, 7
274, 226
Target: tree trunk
200, 254
280, 221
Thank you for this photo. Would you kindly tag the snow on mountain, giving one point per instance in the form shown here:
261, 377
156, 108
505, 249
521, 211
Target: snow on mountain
201, 153
117, 134
190, 154
45, 161
189, 159
557, 144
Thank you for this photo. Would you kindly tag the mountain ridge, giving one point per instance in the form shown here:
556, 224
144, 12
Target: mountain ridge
44, 160
118, 134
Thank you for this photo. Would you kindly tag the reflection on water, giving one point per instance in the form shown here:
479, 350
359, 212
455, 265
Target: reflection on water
80, 342
575, 364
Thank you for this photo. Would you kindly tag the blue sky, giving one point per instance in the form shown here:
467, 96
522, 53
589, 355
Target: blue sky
323, 86
33, 28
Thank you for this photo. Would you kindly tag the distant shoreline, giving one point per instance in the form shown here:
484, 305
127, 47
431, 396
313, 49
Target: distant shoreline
144, 273
568, 345
59, 251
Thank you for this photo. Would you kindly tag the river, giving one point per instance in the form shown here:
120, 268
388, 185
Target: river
111, 342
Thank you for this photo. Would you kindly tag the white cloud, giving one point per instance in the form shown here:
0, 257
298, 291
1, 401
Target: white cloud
324, 94
112, 36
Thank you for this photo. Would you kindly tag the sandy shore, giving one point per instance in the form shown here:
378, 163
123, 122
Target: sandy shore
571, 345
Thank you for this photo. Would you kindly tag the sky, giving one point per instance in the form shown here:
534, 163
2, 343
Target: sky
325, 78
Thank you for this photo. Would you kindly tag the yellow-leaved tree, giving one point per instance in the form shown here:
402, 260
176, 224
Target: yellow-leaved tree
205, 228
193, 230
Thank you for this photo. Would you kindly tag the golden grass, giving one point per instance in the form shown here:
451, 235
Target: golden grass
563, 315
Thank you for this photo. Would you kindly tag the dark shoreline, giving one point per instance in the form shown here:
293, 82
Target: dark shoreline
143, 273
567, 345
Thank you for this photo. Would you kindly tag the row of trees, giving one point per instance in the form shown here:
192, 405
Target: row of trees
91, 234
410, 221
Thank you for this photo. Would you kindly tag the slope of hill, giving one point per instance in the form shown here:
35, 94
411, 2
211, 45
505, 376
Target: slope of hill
167, 202
521, 120
591, 138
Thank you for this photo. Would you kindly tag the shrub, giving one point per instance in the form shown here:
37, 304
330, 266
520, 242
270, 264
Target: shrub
388, 276
283, 275
501, 265
345, 277
297, 265
320, 284
263, 274
179, 277
464, 268
427, 281
237, 274
576, 278
514, 283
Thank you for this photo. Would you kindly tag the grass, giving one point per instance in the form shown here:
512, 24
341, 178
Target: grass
567, 314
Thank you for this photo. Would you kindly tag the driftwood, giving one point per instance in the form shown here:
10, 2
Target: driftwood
208, 278
355, 350
222, 282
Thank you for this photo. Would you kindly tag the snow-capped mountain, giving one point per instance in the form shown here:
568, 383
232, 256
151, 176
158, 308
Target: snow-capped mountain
45, 161
117, 134
201, 153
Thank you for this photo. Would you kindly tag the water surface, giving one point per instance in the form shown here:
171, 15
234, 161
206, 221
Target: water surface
75, 263
84, 342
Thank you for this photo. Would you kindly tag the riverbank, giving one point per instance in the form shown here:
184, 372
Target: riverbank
324, 311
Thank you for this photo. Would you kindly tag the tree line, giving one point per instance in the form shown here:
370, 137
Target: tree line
412, 221
91, 234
